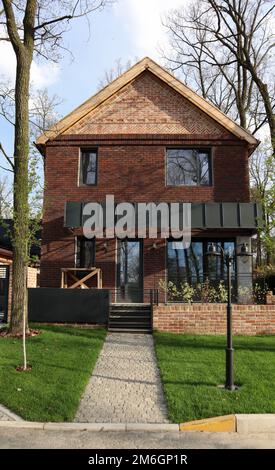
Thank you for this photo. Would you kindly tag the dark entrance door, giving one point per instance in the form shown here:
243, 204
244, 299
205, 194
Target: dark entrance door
4, 286
130, 272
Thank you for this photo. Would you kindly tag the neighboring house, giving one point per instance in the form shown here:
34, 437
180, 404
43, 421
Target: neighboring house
147, 137
6, 257
5, 282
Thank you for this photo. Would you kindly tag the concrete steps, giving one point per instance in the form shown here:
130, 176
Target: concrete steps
130, 318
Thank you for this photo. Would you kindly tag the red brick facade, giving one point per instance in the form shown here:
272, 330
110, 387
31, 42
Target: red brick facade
147, 105
211, 319
132, 131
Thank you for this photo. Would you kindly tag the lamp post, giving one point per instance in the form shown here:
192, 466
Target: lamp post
228, 259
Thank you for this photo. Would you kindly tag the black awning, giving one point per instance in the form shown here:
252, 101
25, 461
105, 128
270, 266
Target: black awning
209, 215
245, 215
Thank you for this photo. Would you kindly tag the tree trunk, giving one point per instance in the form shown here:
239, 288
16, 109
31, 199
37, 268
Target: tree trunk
21, 207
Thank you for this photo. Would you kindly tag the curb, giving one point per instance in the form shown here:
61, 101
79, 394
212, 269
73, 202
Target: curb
98, 427
256, 423
219, 424
242, 424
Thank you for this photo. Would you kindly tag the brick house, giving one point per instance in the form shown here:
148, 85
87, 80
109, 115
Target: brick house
6, 282
147, 137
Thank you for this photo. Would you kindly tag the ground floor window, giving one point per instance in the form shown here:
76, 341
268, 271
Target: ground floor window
85, 252
193, 272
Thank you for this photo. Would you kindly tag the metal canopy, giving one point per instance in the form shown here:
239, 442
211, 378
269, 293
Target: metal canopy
245, 215
209, 215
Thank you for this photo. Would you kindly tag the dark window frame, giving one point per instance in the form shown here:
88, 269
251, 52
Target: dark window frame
141, 264
207, 150
84, 151
205, 260
79, 251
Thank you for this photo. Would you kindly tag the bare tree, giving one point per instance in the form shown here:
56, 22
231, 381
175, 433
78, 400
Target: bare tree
224, 47
5, 199
32, 27
114, 72
42, 112
262, 179
42, 116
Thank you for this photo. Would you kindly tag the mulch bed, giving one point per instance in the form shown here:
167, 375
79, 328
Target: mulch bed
21, 368
5, 333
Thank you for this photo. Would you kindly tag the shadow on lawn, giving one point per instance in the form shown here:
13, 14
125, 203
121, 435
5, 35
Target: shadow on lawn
218, 343
39, 364
90, 333
199, 383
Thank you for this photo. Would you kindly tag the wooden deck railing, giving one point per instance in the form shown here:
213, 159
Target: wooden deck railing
69, 274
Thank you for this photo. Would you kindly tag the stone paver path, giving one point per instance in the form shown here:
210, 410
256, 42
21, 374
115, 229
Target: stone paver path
125, 385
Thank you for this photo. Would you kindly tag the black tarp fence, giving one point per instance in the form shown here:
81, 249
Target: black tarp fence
55, 305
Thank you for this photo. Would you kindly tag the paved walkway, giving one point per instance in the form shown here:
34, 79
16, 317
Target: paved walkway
125, 385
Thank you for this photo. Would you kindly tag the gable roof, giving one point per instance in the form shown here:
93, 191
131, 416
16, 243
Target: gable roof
146, 64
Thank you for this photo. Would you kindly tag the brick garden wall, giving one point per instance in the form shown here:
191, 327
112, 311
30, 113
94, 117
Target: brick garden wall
211, 319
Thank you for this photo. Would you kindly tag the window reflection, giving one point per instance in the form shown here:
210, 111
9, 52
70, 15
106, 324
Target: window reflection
88, 173
185, 264
192, 265
188, 167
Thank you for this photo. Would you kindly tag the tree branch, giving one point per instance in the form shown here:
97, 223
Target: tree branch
28, 22
11, 26
55, 20
6, 156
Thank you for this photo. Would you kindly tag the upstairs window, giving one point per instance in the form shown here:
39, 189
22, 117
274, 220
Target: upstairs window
188, 167
85, 252
88, 167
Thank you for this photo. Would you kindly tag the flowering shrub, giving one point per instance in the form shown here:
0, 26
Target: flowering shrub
207, 293
187, 292
259, 293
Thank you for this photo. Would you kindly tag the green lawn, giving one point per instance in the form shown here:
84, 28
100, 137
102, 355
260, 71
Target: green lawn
62, 359
192, 367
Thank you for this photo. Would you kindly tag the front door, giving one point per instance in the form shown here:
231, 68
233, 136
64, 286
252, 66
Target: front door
130, 272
